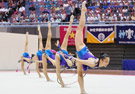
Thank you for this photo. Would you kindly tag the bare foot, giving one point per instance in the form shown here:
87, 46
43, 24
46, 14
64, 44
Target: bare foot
71, 18
63, 86
83, 92
50, 80
27, 33
84, 9
25, 73
49, 24
40, 76
38, 27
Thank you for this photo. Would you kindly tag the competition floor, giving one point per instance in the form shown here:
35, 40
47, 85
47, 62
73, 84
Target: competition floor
17, 83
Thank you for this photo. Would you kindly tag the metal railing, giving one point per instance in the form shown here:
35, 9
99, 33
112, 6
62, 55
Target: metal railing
74, 23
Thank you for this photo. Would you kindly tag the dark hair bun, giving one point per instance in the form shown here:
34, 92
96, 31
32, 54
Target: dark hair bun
103, 55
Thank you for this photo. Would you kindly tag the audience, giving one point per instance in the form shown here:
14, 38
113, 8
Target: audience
35, 11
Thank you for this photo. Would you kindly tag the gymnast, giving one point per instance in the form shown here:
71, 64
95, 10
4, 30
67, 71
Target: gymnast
38, 57
59, 59
85, 58
47, 52
25, 57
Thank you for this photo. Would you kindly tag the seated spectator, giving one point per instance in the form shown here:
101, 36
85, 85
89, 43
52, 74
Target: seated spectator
130, 9
133, 17
95, 18
90, 18
27, 19
123, 17
98, 10
126, 3
71, 8
61, 7
57, 8
70, 2
63, 16
32, 8
21, 9
65, 4
129, 18
57, 15
109, 10
125, 10
32, 15
111, 17
58, 19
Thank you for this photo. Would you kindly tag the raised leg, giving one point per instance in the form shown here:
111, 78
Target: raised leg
26, 43
79, 34
48, 42
40, 39
65, 41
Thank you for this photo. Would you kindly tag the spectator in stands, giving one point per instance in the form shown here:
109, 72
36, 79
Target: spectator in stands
118, 18
123, 18
101, 19
130, 9
61, 7
124, 10
32, 15
65, 4
90, 18
57, 15
32, 8
58, 19
108, 11
111, 17
129, 18
57, 8
71, 8
126, 3
98, 10
70, 2
133, 17
22, 9
27, 19
63, 16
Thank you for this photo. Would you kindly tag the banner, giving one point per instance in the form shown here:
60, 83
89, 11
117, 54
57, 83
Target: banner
126, 34
100, 34
71, 38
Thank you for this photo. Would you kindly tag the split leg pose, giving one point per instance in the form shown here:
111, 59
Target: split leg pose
38, 57
59, 59
85, 57
48, 52
25, 57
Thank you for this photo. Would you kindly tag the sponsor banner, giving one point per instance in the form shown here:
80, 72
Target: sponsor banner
100, 34
126, 34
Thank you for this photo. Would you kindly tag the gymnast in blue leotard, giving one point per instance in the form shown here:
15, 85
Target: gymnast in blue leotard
38, 56
48, 53
25, 56
85, 57
59, 60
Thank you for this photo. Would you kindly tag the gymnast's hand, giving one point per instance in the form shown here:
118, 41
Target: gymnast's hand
57, 43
